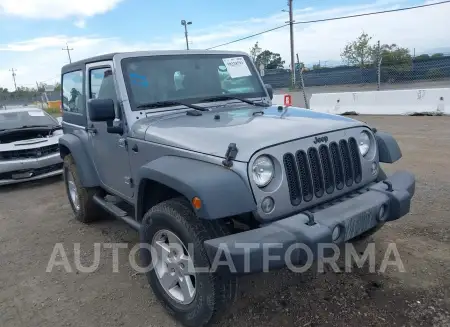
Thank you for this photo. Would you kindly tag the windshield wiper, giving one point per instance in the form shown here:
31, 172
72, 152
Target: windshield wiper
33, 126
161, 104
24, 127
229, 97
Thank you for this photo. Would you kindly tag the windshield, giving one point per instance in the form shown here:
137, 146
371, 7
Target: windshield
189, 78
17, 119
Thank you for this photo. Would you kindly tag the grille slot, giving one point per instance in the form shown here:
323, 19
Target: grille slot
348, 169
354, 151
328, 176
325, 169
337, 165
305, 176
30, 153
292, 179
316, 172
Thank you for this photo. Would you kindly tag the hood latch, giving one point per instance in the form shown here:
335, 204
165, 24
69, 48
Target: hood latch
230, 155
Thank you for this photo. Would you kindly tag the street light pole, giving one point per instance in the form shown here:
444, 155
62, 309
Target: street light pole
185, 24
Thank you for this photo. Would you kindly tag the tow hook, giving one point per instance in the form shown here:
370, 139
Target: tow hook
389, 185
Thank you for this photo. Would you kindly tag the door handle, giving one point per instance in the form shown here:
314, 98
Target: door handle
91, 129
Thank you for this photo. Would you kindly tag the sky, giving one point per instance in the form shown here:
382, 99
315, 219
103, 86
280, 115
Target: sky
33, 32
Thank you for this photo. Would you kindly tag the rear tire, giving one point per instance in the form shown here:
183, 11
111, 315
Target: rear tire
214, 292
80, 198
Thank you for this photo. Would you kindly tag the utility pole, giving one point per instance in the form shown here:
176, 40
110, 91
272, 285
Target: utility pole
68, 52
13, 71
291, 28
185, 24
40, 95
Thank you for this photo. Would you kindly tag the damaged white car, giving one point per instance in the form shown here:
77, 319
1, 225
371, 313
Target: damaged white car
29, 148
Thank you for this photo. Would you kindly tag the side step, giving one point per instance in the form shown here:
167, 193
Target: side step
117, 212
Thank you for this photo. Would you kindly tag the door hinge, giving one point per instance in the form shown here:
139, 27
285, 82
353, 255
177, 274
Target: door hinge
123, 143
129, 181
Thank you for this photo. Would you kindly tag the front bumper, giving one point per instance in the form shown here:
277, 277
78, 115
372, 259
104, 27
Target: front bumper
16, 171
288, 240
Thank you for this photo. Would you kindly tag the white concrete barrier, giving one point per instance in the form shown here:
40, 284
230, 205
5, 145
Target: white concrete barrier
392, 102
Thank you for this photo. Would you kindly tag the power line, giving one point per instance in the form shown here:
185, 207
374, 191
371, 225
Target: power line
334, 18
249, 37
374, 13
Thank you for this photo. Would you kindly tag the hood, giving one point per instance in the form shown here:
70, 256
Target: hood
212, 132
29, 143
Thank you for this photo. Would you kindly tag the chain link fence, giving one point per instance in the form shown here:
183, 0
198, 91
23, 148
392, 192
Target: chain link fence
50, 101
9, 99
423, 73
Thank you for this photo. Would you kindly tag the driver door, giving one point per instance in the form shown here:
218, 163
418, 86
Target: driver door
109, 151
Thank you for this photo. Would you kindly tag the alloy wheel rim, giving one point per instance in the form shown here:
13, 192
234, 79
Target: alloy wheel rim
73, 193
174, 267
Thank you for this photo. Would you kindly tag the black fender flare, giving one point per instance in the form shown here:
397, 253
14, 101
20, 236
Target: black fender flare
85, 167
222, 191
388, 149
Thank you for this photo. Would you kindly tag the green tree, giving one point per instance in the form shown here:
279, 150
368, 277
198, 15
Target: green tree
359, 52
270, 60
437, 55
422, 57
392, 55
255, 51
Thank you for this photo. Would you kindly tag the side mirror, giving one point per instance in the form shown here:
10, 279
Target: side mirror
269, 90
101, 110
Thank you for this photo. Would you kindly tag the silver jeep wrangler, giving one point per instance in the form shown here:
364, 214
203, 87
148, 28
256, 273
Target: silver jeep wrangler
186, 147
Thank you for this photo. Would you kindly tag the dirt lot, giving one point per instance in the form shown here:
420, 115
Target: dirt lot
33, 217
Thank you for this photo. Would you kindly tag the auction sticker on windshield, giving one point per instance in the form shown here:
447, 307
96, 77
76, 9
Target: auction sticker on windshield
237, 67
36, 113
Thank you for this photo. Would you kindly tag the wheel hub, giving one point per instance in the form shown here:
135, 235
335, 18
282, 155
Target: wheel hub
174, 267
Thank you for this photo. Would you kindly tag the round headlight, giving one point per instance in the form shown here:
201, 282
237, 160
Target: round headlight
364, 143
262, 171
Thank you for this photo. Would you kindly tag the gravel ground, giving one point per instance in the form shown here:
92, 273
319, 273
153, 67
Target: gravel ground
33, 217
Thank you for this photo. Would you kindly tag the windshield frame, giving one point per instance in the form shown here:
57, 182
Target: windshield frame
192, 100
52, 121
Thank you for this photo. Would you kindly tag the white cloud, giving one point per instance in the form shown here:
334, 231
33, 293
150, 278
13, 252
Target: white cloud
56, 9
423, 29
81, 23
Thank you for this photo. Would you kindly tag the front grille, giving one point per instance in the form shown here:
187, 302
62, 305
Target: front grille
318, 171
34, 172
30, 153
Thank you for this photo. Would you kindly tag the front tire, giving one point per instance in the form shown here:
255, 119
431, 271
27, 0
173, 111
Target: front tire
212, 293
80, 198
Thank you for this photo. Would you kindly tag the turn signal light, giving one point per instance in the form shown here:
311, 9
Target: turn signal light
196, 202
